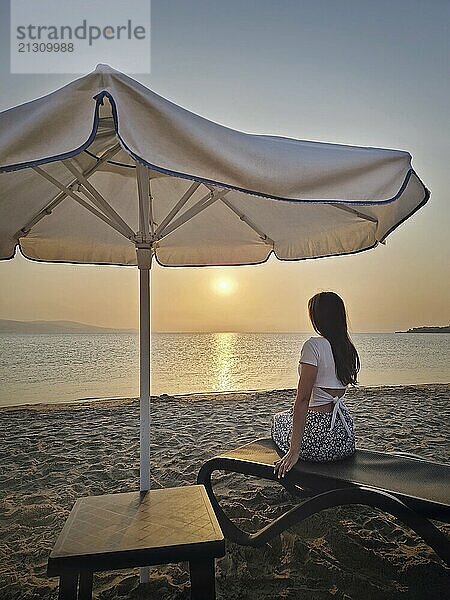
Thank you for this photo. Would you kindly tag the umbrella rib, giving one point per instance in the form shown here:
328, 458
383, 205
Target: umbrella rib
62, 195
117, 226
150, 207
243, 217
355, 212
178, 206
144, 200
197, 208
98, 199
78, 199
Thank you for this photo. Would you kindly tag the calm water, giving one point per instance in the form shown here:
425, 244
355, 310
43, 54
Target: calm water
61, 368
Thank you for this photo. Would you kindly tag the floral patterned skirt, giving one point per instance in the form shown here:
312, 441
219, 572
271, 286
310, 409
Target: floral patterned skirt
319, 443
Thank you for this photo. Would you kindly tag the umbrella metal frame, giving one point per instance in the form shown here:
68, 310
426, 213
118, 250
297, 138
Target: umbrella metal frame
81, 190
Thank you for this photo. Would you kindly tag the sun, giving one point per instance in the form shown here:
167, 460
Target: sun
223, 286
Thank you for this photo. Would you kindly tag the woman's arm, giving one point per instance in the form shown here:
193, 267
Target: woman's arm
308, 375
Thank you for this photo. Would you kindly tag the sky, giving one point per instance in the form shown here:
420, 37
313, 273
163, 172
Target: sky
354, 72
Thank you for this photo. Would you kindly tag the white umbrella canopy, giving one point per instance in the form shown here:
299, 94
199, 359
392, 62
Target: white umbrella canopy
337, 199
104, 171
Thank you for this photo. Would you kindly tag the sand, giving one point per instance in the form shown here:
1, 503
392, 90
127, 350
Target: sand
51, 455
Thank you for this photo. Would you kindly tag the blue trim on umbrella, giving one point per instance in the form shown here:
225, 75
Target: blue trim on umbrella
116, 163
65, 155
422, 203
99, 100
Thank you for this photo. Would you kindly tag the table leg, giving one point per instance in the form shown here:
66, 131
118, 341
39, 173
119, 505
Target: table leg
85, 587
203, 579
68, 583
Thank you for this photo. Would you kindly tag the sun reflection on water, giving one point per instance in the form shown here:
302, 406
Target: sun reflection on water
225, 359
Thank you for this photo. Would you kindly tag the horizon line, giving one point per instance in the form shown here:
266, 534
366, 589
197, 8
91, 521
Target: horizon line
136, 330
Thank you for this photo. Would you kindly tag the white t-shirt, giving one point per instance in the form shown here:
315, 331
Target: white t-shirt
317, 351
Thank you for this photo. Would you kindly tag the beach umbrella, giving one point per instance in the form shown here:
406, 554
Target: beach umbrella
105, 171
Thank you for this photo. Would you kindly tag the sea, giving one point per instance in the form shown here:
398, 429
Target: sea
53, 368
60, 368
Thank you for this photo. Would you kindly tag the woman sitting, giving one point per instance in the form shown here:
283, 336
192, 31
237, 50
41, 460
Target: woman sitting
319, 427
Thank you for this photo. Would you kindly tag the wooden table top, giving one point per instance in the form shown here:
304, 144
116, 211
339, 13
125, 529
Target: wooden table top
138, 529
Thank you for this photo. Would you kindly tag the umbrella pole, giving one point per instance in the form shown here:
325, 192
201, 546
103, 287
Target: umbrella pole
144, 385
144, 259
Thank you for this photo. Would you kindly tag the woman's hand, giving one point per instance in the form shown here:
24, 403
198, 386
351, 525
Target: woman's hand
285, 464
308, 374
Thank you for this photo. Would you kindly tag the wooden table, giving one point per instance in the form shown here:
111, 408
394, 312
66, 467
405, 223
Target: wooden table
119, 531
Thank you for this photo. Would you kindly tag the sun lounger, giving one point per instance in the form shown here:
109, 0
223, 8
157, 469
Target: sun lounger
412, 489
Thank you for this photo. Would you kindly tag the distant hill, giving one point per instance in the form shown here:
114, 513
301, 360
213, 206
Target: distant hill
445, 329
8, 326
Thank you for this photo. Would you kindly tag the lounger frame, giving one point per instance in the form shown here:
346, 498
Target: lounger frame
327, 493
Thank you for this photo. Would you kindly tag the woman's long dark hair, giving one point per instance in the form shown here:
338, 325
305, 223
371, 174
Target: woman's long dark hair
329, 319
